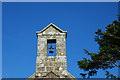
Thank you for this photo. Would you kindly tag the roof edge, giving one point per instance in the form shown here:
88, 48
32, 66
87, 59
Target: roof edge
53, 26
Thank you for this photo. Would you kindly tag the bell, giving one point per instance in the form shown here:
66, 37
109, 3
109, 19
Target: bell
51, 49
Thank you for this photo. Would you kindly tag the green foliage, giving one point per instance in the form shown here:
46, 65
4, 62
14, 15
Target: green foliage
109, 50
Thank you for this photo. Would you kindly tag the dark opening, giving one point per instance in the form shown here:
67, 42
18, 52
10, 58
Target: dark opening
51, 47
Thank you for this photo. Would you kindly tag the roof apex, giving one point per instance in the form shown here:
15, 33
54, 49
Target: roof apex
51, 72
54, 26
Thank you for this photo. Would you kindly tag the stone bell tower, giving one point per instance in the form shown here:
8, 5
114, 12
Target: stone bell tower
51, 55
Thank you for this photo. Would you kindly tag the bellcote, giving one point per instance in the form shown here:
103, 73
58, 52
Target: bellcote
51, 53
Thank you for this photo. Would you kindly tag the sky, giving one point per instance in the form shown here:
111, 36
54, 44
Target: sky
22, 20
59, 0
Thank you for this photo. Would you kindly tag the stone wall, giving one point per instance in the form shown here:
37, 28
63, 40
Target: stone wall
44, 63
51, 66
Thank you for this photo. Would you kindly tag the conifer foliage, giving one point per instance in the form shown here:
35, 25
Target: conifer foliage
109, 51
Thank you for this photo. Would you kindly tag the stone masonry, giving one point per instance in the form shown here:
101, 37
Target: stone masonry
51, 66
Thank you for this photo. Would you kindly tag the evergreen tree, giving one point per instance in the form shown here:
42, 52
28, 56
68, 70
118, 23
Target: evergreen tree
109, 50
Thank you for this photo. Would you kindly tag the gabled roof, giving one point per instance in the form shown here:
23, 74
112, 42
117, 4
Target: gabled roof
54, 26
48, 75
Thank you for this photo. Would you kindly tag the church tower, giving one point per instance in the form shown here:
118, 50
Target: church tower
51, 54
